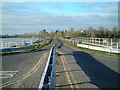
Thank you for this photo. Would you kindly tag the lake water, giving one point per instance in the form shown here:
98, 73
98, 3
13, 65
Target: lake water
9, 42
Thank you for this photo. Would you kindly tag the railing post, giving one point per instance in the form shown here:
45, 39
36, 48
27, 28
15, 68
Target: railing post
111, 42
117, 46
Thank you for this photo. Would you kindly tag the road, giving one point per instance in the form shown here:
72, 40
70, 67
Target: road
25, 69
75, 69
79, 69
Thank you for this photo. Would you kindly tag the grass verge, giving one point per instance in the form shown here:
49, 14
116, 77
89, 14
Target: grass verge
89, 50
57, 54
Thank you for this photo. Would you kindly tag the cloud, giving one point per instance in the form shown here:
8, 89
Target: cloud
16, 20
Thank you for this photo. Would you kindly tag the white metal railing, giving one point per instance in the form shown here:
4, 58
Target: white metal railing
105, 49
4, 45
48, 79
101, 41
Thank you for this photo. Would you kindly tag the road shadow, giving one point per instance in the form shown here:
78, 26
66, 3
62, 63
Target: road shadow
60, 46
69, 71
73, 85
99, 74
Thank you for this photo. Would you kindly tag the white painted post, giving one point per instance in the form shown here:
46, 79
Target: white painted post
92, 40
10, 44
23, 42
2, 45
16, 44
117, 45
119, 41
107, 43
7, 45
110, 51
111, 42
95, 41
99, 40
103, 41
31, 42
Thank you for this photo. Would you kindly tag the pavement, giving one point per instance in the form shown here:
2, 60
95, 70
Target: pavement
75, 69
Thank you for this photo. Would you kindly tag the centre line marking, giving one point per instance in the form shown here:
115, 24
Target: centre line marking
71, 72
68, 78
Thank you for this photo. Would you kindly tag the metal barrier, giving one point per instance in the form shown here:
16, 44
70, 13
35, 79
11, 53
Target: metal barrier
48, 80
104, 49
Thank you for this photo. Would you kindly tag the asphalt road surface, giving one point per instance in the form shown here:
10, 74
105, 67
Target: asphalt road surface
79, 69
24, 70
75, 69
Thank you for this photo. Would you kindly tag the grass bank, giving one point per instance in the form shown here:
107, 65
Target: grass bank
57, 54
35, 47
88, 50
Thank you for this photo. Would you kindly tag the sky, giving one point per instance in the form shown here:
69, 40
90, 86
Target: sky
30, 17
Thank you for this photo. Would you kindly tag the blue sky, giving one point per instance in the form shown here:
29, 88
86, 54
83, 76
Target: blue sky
24, 17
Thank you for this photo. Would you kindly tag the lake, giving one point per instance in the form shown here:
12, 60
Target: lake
9, 42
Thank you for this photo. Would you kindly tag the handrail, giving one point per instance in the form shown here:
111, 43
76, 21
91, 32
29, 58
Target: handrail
48, 79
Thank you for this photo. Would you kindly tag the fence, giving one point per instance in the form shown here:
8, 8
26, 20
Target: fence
4, 45
24, 45
48, 80
114, 43
105, 49
94, 46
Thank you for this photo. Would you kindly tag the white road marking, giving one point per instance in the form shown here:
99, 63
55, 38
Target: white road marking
7, 74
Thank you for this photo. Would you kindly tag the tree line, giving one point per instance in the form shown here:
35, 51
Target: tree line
101, 32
